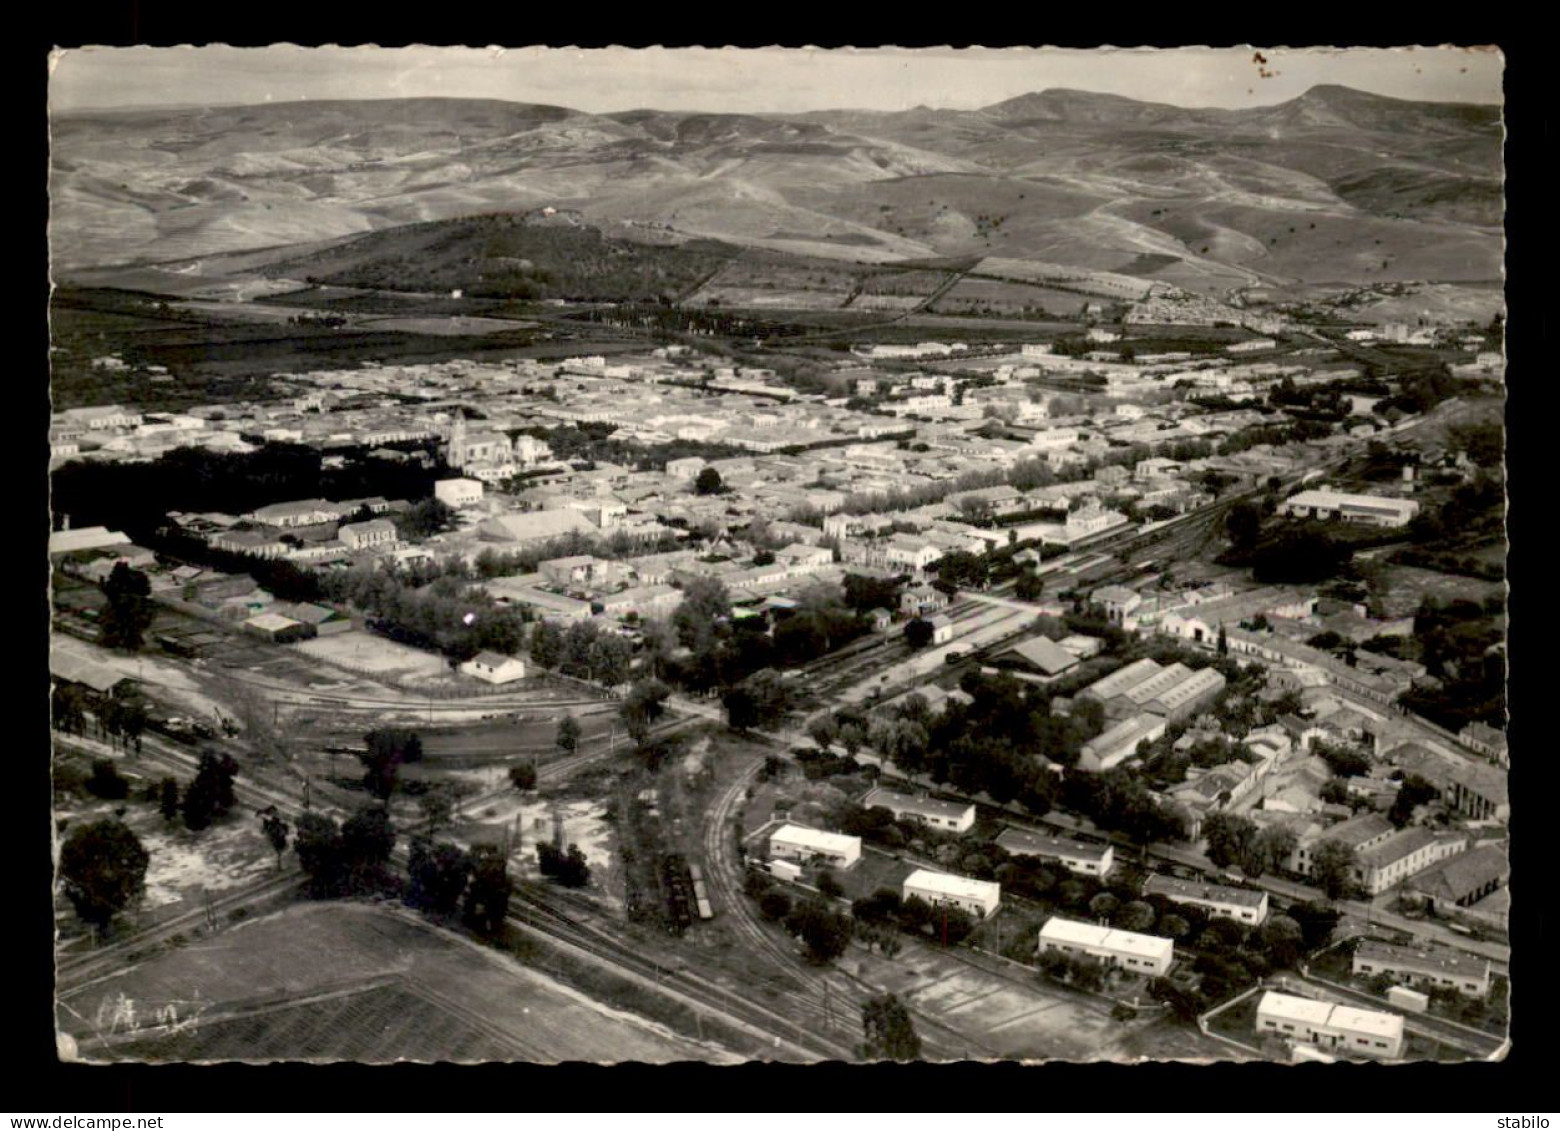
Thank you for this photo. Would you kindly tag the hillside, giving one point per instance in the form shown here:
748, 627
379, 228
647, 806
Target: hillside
518, 256
1067, 176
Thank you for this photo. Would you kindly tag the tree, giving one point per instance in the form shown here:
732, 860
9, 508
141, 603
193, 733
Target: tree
68, 708
129, 611
1316, 921
828, 884
1175, 926
643, 706
437, 875
1104, 905
570, 868
1281, 938
276, 830
103, 870
1332, 867
105, 781
1224, 642
918, 633
487, 895
168, 799
823, 731
888, 1031
568, 739
546, 644
708, 482
774, 905
387, 749
825, 933
1270, 851
318, 845
1412, 793
1135, 916
437, 805
1243, 524
210, 794
1229, 837
366, 843
523, 777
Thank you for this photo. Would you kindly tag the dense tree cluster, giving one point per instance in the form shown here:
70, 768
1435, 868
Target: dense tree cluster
102, 870
569, 867
585, 650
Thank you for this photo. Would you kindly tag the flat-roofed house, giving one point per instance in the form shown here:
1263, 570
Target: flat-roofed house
945, 816
1335, 1028
1240, 904
979, 898
458, 493
1149, 955
491, 667
801, 844
1077, 856
1440, 967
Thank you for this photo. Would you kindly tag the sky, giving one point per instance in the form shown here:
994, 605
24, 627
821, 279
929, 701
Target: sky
773, 80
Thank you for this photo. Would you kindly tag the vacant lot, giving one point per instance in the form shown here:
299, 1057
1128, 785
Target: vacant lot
365, 652
344, 981
1009, 1017
1403, 587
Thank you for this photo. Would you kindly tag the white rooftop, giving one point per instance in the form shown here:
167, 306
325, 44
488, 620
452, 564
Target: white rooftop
816, 838
960, 886
1087, 934
1326, 1013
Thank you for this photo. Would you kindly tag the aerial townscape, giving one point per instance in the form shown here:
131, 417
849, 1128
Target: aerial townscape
1014, 582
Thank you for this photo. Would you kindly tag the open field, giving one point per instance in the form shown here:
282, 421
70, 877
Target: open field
1017, 1018
348, 981
385, 659
1403, 587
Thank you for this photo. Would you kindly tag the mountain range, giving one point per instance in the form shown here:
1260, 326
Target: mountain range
1335, 185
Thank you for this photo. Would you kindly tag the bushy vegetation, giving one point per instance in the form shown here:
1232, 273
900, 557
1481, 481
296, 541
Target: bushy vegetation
505, 255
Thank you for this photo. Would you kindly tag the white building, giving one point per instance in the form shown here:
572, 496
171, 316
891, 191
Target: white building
458, 493
945, 816
1078, 857
493, 668
1249, 907
1373, 510
1149, 955
979, 898
1337, 1028
1449, 969
365, 535
801, 844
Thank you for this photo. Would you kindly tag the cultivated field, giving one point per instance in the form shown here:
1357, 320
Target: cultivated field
345, 981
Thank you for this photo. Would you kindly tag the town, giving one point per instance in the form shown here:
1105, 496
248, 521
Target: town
706, 681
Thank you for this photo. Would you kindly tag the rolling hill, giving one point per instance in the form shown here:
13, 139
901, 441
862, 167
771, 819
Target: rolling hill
1335, 185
